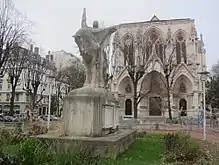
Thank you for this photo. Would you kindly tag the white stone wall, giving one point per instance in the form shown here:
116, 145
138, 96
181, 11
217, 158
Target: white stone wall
62, 59
195, 53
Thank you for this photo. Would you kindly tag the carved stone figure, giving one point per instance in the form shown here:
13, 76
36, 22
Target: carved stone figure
91, 43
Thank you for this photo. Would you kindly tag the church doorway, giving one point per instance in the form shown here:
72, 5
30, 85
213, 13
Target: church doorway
155, 106
183, 107
128, 107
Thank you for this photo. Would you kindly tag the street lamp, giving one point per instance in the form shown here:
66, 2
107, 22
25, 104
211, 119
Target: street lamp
49, 101
203, 78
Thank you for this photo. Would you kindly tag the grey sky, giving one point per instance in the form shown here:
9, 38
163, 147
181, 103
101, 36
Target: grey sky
57, 20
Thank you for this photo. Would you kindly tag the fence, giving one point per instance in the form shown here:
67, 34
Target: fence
189, 124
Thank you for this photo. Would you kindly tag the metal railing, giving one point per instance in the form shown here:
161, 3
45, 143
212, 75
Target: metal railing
188, 124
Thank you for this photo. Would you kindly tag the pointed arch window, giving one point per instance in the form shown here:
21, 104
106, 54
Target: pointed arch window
180, 48
154, 38
128, 50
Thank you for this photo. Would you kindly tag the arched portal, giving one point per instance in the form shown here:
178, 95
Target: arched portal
182, 92
128, 107
153, 89
183, 107
155, 105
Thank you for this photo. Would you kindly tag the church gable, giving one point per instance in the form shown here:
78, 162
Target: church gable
154, 18
183, 69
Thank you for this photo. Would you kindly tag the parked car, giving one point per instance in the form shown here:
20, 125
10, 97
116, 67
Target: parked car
7, 118
11, 119
1, 117
52, 118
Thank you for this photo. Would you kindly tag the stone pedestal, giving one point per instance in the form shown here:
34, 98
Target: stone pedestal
85, 112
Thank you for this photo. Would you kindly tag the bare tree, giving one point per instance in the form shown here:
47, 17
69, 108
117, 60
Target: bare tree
14, 29
169, 68
15, 65
60, 86
136, 69
35, 77
68, 78
74, 74
138, 65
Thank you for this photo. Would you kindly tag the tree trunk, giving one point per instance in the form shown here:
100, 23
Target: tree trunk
135, 101
31, 108
12, 101
168, 104
168, 98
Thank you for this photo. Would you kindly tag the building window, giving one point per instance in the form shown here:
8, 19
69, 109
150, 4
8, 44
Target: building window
154, 44
1, 84
128, 107
17, 97
128, 50
51, 57
9, 85
0, 97
181, 48
47, 57
7, 97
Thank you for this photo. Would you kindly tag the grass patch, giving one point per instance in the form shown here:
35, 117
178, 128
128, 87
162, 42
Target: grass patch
147, 150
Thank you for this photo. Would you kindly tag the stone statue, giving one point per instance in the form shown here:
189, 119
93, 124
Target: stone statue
91, 43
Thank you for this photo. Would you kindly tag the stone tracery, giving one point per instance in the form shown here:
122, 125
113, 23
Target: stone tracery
181, 55
153, 38
128, 46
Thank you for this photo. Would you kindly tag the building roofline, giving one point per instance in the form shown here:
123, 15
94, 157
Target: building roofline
189, 20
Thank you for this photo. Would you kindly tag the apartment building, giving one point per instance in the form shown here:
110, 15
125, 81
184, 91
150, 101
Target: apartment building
22, 98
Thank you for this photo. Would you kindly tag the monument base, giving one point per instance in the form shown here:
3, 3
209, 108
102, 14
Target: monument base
107, 146
85, 112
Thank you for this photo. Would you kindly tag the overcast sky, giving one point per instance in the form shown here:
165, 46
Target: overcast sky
57, 20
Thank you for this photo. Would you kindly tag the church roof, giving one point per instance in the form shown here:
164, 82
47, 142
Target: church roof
154, 18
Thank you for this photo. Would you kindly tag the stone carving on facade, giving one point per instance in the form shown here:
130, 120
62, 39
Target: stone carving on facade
128, 89
91, 43
182, 88
193, 32
169, 35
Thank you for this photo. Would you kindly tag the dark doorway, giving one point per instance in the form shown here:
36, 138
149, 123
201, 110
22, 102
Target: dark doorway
128, 107
44, 110
155, 106
183, 107
40, 111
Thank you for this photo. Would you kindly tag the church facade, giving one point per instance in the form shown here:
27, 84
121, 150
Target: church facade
159, 45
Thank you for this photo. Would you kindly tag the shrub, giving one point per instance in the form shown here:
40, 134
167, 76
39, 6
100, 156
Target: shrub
34, 152
180, 148
141, 134
10, 137
37, 130
84, 157
5, 159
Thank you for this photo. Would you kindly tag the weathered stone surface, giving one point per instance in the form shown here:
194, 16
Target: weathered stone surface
106, 146
83, 111
92, 43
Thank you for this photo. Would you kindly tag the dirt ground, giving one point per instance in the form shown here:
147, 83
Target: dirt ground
211, 137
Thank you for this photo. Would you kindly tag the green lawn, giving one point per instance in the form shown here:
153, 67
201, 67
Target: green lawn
146, 150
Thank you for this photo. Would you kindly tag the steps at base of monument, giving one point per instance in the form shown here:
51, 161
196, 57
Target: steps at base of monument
128, 124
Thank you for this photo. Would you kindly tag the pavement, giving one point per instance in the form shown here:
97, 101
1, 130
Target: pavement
211, 135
